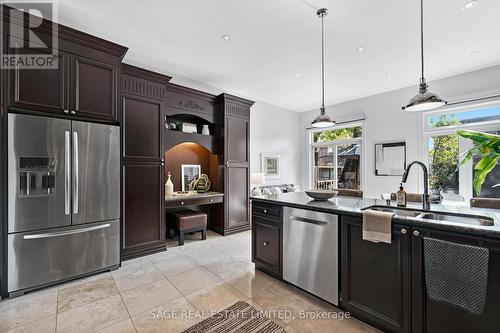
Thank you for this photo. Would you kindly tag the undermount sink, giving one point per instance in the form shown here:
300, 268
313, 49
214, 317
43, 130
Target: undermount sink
466, 219
445, 217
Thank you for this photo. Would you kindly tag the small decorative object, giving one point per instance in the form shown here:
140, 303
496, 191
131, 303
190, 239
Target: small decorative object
271, 165
169, 187
487, 146
386, 197
200, 185
189, 128
172, 126
189, 172
321, 195
257, 179
390, 159
205, 130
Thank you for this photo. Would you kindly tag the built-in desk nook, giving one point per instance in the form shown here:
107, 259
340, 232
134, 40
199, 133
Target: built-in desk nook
166, 126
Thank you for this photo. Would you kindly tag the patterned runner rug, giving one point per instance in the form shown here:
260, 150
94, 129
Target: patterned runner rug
240, 317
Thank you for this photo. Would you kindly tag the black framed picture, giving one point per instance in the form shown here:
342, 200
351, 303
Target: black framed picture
390, 158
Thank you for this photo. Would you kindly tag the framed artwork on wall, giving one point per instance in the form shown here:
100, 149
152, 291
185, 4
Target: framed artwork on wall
271, 165
189, 172
390, 159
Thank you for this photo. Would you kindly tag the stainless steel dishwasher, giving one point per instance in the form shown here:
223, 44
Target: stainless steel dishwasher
310, 252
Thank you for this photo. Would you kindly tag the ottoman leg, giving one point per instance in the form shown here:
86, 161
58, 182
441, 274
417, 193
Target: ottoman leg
204, 234
181, 238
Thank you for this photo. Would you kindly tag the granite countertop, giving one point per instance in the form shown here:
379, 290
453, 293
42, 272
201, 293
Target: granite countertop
353, 207
192, 195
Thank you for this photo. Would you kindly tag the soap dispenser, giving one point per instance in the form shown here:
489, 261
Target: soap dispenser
401, 196
169, 187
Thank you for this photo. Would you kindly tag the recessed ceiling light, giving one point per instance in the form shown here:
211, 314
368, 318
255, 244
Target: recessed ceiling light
474, 53
469, 5
298, 75
360, 49
389, 78
226, 37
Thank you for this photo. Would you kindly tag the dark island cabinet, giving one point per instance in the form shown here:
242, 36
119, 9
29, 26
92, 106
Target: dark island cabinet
267, 238
376, 285
143, 135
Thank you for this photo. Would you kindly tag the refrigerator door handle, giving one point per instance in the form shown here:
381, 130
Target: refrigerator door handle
67, 179
75, 172
65, 233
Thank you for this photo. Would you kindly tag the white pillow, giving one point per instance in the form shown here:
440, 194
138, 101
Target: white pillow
266, 192
277, 190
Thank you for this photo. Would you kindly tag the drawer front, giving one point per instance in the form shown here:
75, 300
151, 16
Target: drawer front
267, 244
267, 210
194, 201
38, 258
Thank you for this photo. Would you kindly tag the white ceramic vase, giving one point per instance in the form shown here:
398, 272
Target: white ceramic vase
205, 130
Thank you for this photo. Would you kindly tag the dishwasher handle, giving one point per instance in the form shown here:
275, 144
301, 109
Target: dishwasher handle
307, 220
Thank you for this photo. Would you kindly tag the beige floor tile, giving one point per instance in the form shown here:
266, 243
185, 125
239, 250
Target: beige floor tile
229, 267
135, 276
165, 255
141, 261
277, 296
290, 329
174, 316
250, 283
79, 281
84, 293
205, 255
149, 296
25, 309
92, 316
214, 298
193, 280
125, 326
46, 325
176, 265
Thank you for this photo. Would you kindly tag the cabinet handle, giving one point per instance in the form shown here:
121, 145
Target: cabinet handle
73, 112
182, 202
266, 243
403, 231
210, 200
265, 211
66, 111
416, 233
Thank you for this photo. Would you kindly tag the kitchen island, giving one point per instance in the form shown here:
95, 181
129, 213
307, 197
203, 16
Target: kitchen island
382, 284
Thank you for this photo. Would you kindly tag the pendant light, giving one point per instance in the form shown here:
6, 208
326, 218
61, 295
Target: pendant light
424, 100
322, 120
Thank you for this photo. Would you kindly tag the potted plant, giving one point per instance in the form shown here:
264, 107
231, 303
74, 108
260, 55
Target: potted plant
486, 146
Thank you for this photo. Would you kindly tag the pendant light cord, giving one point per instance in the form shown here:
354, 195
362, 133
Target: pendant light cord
322, 66
422, 79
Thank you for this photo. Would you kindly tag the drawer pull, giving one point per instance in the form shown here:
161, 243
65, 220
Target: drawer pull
211, 200
265, 211
266, 243
416, 233
182, 202
403, 231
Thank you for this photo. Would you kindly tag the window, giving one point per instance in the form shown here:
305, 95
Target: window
336, 157
443, 149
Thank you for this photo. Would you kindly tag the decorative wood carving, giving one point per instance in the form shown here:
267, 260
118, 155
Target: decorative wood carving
190, 104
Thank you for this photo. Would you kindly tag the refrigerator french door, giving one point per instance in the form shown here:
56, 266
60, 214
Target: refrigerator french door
64, 200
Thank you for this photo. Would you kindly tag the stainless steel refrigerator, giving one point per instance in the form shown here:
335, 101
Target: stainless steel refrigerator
64, 200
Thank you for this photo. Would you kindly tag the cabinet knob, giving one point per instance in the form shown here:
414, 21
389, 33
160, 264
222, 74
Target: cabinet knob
66, 111
265, 211
73, 112
416, 233
403, 231
210, 200
182, 202
266, 243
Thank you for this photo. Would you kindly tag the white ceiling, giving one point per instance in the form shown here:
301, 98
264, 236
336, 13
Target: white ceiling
273, 40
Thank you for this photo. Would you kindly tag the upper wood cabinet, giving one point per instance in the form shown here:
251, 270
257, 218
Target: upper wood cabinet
93, 88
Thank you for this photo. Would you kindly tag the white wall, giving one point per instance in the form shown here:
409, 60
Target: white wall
276, 130
385, 121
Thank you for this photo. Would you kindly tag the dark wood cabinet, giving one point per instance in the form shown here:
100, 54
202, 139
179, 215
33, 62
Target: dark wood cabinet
236, 115
93, 89
430, 316
267, 239
376, 285
143, 130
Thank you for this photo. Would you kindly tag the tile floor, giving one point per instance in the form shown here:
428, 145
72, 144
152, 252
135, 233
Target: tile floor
169, 292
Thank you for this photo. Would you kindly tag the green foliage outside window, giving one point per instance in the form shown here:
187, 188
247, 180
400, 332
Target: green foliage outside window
338, 134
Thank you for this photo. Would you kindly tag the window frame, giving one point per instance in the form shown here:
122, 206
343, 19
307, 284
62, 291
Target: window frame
312, 145
465, 172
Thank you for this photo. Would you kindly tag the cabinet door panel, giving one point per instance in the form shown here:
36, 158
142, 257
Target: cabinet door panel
237, 197
40, 89
143, 217
94, 85
142, 128
267, 243
236, 139
375, 277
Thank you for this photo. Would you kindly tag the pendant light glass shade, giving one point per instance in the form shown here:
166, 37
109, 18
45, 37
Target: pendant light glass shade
322, 120
424, 100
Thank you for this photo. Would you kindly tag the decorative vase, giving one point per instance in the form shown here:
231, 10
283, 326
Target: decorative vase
205, 130
169, 187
